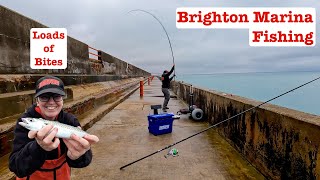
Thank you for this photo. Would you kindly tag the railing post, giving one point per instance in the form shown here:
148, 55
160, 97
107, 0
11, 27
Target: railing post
141, 87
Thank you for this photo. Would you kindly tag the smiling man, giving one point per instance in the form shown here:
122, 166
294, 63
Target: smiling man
41, 155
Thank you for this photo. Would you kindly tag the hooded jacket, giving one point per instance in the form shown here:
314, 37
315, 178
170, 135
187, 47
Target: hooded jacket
27, 156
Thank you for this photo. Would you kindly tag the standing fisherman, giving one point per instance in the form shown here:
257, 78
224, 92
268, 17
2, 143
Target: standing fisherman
165, 78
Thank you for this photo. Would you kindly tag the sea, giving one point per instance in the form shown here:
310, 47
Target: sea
265, 86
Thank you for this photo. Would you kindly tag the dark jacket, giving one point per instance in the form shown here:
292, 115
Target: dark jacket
27, 156
165, 78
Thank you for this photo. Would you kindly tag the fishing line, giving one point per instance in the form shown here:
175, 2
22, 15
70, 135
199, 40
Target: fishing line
220, 123
164, 31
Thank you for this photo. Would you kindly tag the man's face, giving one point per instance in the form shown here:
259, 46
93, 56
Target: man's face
50, 105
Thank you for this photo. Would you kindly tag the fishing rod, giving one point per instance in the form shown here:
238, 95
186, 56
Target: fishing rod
219, 123
174, 72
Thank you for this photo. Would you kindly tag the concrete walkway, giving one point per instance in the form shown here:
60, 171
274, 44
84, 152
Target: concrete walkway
124, 138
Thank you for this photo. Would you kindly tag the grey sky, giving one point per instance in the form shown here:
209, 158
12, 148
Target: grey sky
137, 38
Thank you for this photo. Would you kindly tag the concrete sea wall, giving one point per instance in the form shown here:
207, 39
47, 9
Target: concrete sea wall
15, 51
281, 143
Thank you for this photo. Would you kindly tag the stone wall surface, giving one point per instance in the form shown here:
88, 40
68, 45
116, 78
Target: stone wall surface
280, 142
15, 51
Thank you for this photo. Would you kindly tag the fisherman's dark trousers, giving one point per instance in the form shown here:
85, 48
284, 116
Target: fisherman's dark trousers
166, 94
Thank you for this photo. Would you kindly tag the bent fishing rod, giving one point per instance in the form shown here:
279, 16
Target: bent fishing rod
167, 147
174, 72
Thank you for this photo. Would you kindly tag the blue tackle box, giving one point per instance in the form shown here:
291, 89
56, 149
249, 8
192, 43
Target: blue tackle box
160, 123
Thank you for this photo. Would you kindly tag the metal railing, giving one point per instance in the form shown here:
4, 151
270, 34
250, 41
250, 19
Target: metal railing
94, 55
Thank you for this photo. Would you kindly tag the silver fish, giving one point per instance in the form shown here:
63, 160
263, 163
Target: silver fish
64, 130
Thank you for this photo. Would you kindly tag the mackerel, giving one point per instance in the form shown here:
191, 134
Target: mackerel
64, 130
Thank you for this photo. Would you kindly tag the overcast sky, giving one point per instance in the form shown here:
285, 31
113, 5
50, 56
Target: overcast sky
138, 38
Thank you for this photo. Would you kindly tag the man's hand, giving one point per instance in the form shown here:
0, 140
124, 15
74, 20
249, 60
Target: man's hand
45, 137
77, 146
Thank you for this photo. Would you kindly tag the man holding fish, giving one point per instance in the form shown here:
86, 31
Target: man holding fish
49, 141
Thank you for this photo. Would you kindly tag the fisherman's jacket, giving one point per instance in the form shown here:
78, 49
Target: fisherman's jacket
29, 161
165, 78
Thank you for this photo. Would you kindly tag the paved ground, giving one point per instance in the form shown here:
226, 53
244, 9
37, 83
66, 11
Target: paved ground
124, 138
